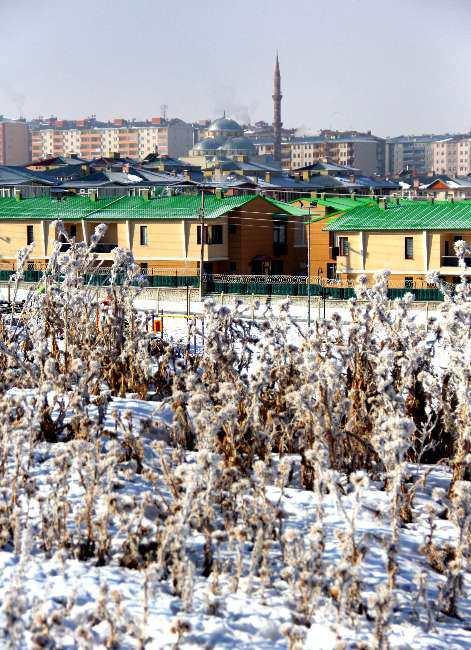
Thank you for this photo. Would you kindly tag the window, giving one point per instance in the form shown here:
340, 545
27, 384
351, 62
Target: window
216, 235
447, 248
143, 235
344, 246
29, 234
409, 282
331, 271
409, 248
198, 235
279, 232
300, 233
232, 228
232, 267
73, 230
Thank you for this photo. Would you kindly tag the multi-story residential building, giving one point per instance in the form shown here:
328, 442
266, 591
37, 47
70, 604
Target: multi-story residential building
452, 156
361, 150
411, 153
265, 149
128, 139
14, 143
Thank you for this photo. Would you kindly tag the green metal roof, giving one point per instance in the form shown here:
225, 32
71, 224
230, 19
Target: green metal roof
290, 209
338, 203
407, 215
183, 206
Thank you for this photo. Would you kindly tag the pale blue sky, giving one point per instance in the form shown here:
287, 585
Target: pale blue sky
398, 66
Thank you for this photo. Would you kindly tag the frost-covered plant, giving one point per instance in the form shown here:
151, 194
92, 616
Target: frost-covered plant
201, 509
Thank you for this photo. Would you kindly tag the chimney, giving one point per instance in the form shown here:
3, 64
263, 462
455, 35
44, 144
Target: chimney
17, 194
306, 175
313, 195
145, 193
267, 177
382, 204
186, 175
219, 194
93, 195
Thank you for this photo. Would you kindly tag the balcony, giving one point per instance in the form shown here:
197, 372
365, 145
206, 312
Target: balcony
452, 260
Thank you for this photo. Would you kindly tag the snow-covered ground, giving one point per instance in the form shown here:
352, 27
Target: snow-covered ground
86, 603
114, 536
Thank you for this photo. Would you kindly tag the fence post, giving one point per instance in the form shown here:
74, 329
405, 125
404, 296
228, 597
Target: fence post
222, 298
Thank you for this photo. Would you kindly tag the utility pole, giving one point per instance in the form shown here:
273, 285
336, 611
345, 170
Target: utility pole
309, 270
201, 244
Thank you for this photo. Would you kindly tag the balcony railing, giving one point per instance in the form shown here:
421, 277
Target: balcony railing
452, 260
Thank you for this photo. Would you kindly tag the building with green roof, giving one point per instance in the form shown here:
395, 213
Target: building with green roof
242, 234
410, 238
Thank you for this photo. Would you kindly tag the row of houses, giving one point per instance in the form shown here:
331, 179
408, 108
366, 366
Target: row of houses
249, 234
117, 176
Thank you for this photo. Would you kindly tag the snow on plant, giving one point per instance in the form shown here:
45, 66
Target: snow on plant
288, 477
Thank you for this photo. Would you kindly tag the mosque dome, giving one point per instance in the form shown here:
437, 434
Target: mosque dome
207, 145
224, 124
239, 145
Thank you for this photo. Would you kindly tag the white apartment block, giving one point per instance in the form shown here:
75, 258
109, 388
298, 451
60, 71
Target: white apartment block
174, 138
452, 156
360, 152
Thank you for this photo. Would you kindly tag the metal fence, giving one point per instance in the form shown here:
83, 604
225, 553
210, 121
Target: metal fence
244, 285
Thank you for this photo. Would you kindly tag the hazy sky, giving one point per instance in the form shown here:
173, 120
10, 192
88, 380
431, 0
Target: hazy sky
392, 66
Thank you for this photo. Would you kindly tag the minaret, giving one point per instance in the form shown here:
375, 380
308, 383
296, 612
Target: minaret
277, 123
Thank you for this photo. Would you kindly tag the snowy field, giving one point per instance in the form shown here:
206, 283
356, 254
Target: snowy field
245, 483
49, 598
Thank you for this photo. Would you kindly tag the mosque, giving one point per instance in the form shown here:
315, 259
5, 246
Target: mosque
224, 138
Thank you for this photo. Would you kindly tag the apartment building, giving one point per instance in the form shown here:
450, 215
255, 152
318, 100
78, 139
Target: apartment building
363, 151
413, 153
452, 156
128, 139
242, 234
14, 143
